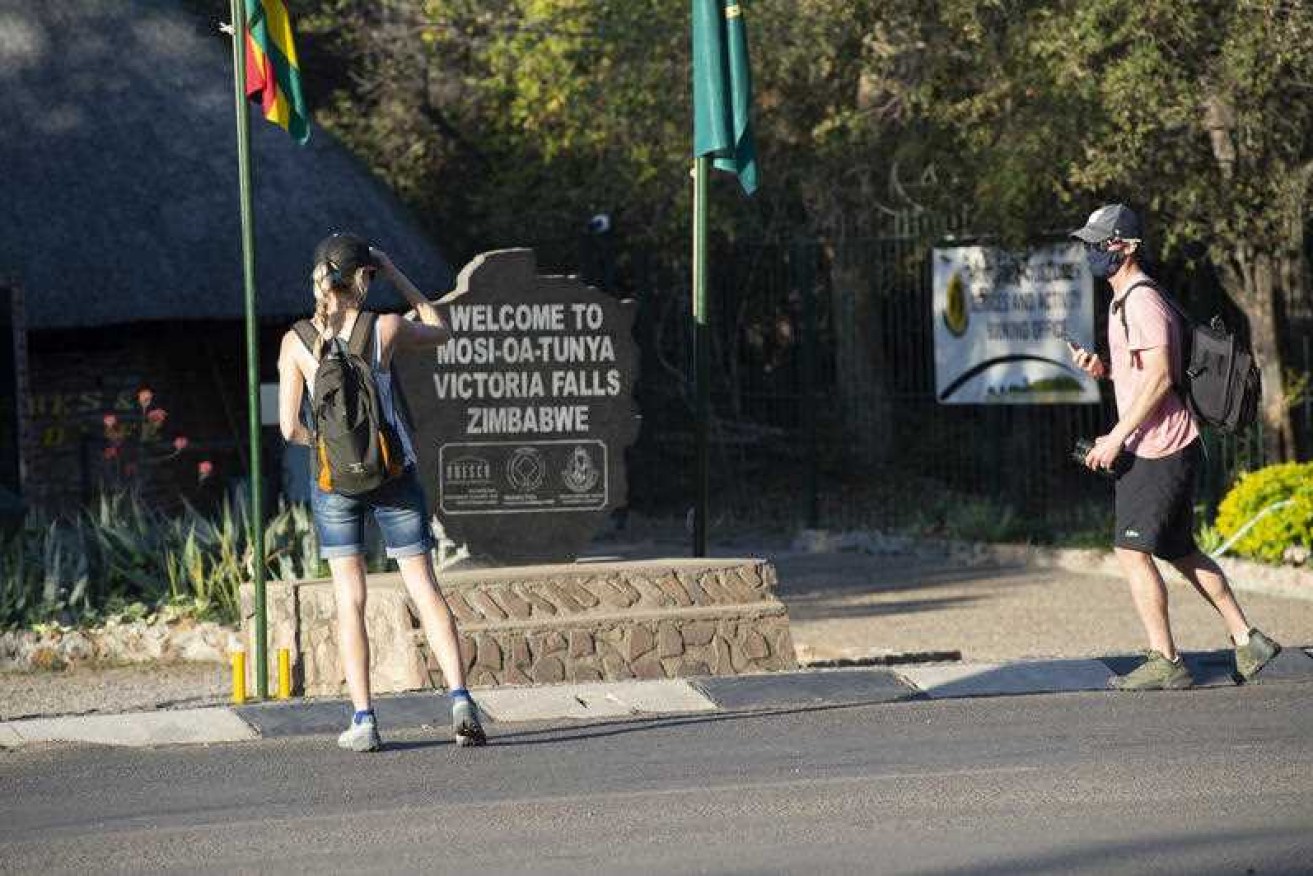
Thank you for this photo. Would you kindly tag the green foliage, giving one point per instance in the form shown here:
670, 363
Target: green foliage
972, 519
122, 558
1279, 529
510, 122
1207, 537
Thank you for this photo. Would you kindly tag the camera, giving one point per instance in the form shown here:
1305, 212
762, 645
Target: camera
1120, 465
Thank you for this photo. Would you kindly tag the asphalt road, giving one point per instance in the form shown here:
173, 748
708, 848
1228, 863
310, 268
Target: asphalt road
1199, 782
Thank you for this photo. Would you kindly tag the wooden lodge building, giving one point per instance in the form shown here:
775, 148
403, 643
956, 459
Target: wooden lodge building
120, 236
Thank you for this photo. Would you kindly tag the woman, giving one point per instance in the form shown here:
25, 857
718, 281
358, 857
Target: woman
344, 265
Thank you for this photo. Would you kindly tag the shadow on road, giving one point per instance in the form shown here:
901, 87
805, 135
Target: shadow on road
637, 724
1234, 851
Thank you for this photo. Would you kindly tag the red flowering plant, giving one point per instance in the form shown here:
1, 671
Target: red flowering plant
136, 442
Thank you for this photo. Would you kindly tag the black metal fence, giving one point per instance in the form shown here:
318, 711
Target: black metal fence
823, 392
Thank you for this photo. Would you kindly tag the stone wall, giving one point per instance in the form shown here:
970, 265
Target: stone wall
544, 624
116, 643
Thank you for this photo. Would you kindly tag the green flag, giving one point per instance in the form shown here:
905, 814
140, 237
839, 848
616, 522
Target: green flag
722, 90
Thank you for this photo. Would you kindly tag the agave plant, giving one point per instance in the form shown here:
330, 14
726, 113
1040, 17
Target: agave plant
290, 545
66, 570
22, 578
121, 552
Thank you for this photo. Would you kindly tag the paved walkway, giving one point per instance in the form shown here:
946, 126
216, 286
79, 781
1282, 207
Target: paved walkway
855, 605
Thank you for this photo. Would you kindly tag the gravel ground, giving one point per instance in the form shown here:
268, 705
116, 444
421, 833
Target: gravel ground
118, 689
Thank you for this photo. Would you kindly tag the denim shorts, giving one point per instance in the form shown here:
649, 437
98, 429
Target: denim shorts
398, 506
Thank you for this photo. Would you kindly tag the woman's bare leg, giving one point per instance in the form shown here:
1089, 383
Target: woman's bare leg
434, 616
349, 590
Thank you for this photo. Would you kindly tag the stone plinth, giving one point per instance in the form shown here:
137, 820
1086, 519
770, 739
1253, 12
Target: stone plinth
545, 624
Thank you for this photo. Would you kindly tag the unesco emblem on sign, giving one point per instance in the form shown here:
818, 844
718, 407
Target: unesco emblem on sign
580, 474
525, 469
468, 470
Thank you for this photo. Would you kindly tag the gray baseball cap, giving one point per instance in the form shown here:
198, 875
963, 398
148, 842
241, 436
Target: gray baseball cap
1109, 221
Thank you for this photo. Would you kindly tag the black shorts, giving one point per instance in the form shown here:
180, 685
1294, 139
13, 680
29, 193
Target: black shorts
1155, 504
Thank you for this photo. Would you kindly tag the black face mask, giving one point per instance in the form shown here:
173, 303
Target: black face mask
1103, 263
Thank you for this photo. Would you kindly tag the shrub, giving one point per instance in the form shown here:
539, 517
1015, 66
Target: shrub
121, 552
1279, 529
135, 443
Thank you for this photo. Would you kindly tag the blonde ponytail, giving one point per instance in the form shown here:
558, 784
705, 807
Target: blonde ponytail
333, 299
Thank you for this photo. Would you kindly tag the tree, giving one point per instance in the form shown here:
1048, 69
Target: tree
1197, 111
512, 121
515, 119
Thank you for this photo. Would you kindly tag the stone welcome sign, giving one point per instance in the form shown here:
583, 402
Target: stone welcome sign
522, 420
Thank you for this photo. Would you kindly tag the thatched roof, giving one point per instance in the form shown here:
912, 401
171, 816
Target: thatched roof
118, 154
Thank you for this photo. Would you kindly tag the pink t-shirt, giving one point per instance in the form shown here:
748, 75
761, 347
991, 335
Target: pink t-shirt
1151, 323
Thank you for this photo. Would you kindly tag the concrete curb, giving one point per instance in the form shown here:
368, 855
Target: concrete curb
593, 700
994, 679
816, 688
177, 727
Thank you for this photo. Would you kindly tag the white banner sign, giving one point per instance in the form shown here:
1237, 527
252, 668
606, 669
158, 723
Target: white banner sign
1000, 319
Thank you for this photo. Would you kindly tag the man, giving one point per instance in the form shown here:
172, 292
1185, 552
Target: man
1156, 448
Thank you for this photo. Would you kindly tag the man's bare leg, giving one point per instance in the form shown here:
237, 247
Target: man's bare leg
1207, 577
1149, 594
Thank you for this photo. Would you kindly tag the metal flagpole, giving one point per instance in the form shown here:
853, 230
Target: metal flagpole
252, 344
701, 352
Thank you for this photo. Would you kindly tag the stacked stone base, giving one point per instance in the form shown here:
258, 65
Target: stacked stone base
547, 624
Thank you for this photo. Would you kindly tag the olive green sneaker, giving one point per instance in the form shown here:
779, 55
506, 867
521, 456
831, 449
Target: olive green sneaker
1155, 673
1255, 654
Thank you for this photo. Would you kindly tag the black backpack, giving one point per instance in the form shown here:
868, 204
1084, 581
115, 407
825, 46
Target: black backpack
356, 449
1220, 382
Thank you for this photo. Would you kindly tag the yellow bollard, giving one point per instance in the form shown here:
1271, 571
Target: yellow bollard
239, 677
284, 673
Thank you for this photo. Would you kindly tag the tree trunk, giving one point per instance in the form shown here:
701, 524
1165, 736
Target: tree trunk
864, 398
1253, 280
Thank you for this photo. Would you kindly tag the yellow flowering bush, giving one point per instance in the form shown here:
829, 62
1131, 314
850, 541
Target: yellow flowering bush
1280, 529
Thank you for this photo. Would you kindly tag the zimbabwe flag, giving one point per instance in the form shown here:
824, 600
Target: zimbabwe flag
273, 75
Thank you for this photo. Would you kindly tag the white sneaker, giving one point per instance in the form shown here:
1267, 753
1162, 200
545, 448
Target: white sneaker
361, 737
465, 723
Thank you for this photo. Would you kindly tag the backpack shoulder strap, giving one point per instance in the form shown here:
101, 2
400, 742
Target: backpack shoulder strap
362, 335
1119, 306
305, 330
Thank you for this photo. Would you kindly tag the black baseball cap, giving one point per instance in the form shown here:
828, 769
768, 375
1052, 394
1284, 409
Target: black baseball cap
344, 252
1111, 221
